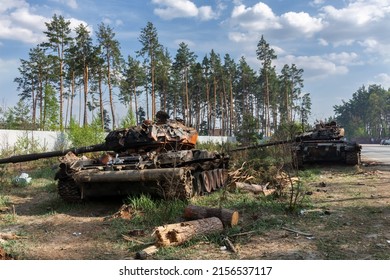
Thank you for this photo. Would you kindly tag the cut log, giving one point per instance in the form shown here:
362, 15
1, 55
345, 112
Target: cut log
228, 217
254, 188
177, 234
145, 253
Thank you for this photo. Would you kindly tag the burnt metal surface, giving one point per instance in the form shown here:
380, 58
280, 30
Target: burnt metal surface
158, 158
325, 143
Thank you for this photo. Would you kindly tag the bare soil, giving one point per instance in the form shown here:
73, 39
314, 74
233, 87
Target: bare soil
349, 218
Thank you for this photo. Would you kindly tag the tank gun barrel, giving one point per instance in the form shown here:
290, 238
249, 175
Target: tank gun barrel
36, 156
274, 143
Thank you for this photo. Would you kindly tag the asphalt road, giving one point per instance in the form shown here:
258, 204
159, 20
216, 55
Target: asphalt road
376, 152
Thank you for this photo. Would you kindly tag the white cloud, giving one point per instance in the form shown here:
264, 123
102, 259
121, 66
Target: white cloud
20, 22
17, 22
323, 42
315, 67
256, 18
383, 79
11, 4
70, 3
359, 12
248, 21
171, 9
344, 58
303, 22
376, 48
206, 13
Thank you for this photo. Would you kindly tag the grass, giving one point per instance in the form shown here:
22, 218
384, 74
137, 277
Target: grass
257, 214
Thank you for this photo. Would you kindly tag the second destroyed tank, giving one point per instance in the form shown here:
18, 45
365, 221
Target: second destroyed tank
157, 158
326, 143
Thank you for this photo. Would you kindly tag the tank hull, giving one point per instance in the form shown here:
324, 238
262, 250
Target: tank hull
171, 175
336, 151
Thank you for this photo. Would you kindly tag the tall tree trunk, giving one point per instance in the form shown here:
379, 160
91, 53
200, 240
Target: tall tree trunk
72, 93
85, 77
101, 100
215, 105
110, 93
231, 108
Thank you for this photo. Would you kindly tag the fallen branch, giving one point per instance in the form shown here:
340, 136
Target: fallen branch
131, 239
254, 188
297, 231
228, 217
10, 236
230, 245
243, 233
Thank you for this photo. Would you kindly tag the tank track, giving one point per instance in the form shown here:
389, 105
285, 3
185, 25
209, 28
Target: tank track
69, 191
352, 158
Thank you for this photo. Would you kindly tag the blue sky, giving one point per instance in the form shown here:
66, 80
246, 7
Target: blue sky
340, 45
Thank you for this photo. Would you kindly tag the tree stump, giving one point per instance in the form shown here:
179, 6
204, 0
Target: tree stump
177, 234
228, 217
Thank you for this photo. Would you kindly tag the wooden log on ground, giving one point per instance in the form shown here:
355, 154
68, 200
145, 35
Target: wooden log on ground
228, 217
254, 188
147, 252
177, 234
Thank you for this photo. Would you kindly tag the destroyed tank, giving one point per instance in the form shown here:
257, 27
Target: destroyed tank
325, 143
156, 158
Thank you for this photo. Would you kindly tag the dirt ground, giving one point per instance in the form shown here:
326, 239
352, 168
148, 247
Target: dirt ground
349, 219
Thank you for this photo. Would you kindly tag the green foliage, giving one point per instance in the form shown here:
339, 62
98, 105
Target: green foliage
151, 212
4, 200
129, 119
50, 119
17, 117
85, 136
366, 113
248, 133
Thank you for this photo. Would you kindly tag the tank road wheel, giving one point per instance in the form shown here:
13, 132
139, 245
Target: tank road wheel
69, 191
217, 178
352, 158
207, 183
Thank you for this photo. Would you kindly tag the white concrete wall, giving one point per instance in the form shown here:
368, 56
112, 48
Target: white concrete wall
46, 139
216, 139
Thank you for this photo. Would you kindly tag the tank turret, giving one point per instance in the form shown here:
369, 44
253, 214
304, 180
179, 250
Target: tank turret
323, 131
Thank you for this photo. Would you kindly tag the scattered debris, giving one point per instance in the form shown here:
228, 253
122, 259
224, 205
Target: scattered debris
4, 255
240, 175
147, 252
229, 245
322, 184
22, 180
125, 212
